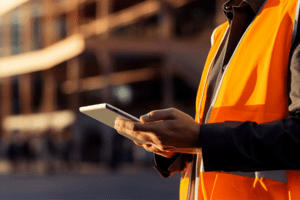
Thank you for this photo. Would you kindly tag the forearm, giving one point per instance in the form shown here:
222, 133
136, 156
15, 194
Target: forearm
247, 146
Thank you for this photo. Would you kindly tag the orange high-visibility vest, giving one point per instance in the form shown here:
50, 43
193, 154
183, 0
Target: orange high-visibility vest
253, 88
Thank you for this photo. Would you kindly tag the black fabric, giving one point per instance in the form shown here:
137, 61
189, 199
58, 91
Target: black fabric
167, 162
248, 146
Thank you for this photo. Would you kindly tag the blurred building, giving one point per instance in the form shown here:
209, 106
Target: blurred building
139, 55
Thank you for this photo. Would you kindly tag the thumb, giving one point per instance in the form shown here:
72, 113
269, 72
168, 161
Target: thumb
158, 115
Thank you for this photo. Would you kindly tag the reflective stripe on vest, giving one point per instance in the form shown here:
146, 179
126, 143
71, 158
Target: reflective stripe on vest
278, 175
256, 92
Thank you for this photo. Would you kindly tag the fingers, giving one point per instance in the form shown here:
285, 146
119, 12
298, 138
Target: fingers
153, 149
133, 129
158, 115
150, 148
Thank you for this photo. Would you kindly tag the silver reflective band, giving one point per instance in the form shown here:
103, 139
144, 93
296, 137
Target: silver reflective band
246, 174
279, 175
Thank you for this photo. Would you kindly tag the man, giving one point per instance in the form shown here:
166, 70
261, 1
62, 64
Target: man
247, 111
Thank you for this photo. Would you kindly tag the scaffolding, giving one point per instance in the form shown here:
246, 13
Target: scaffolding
85, 34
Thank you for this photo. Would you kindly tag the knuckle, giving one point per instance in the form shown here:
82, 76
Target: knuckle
172, 112
152, 114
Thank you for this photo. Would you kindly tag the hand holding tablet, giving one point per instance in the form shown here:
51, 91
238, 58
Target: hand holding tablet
107, 114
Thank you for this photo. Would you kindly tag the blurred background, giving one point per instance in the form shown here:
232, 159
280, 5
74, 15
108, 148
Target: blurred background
59, 55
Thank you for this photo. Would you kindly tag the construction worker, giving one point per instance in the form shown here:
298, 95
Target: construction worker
245, 139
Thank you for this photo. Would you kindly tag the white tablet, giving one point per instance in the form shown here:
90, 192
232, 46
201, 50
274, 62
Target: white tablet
107, 114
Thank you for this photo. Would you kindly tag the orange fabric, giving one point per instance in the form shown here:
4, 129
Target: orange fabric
214, 184
184, 186
234, 187
293, 184
254, 88
217, 38
258, 91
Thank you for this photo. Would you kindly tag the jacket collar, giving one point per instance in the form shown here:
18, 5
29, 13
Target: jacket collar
255, 4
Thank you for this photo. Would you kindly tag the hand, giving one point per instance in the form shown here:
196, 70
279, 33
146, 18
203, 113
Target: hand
164, 131
153, 149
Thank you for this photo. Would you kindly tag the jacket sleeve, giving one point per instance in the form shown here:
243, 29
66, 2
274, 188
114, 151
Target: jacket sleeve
243, 146
247, 146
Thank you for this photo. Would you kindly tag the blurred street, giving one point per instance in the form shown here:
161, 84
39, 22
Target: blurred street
93, 183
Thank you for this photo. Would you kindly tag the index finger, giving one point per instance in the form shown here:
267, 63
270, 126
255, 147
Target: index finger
131, 129
159, 115
136, 126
